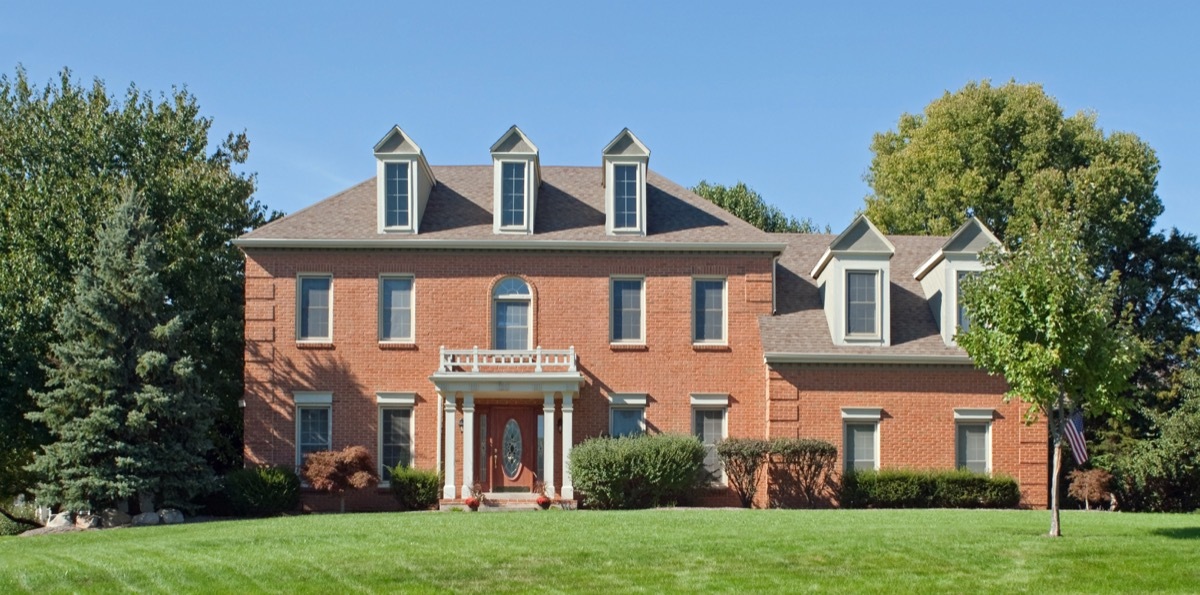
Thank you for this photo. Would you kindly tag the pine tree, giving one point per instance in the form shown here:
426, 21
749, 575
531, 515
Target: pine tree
122, 408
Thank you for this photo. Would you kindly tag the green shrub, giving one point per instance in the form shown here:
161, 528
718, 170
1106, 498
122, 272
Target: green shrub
23, 510
415, 489
262, 491
638, 471
743, 459
801, 471
902, 488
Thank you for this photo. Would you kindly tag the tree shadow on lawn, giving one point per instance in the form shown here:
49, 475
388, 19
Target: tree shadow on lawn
1179, 532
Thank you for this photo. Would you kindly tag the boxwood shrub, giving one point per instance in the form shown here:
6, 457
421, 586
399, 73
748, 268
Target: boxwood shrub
415, 489
262, 491
639, 471
902, 488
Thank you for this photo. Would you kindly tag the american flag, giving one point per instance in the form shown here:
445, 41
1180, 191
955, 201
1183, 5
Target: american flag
1074, 431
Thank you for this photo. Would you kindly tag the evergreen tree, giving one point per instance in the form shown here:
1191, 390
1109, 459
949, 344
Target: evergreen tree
122, 409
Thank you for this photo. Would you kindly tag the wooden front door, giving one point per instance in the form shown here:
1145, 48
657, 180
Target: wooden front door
512, 449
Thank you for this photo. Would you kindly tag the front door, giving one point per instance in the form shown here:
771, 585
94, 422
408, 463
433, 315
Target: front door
512, 448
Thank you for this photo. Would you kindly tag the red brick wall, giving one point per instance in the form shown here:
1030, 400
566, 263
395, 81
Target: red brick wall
917, 429
453, 309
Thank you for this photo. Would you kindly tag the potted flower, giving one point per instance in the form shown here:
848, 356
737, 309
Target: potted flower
543, 501
476, 498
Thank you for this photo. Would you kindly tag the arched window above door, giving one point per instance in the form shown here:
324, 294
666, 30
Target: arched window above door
512, 324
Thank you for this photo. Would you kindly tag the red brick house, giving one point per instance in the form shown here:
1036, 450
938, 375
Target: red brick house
482, 320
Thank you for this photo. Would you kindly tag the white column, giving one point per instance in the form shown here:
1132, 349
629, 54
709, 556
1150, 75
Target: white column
548, 443
448, 461
568, 411
468, 443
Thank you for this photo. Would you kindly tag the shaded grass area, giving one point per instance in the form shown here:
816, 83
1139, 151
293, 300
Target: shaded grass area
649, 551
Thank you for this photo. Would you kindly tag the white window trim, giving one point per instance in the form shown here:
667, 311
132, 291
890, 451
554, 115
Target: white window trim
878, 334
394, 400
847, 464
639, 196
612, 328
299, 307
987, 441
641, 422
712, 402
311, 400
724, 310
412, 310
381, 195
626, 401
494, 300
975, 415
525, 191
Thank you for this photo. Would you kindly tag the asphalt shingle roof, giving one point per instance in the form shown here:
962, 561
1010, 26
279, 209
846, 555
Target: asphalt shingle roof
801, 327
570, 207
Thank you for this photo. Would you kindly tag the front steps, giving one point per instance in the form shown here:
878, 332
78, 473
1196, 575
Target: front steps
505, 501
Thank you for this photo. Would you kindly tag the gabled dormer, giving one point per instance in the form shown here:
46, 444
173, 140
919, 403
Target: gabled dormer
941, 276
516, 176
853, 277
626, 163
403, 180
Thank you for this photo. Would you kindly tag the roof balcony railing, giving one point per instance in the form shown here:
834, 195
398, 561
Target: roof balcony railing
508, 360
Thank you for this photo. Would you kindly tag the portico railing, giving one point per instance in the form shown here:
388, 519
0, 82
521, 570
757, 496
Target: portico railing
507, 360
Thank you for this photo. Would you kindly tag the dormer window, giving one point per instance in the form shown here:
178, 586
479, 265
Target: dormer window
512, 192
943, 274
862, 303
626, 163
964, 320
625, 197
403, 182
853, 276
396, 195
516, 179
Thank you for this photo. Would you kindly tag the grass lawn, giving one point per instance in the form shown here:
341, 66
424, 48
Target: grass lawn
651, 551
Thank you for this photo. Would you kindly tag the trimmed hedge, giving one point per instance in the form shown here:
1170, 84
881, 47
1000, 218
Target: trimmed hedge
262, 491
901, 488
802, 471
415, 489
743, 459
638, 471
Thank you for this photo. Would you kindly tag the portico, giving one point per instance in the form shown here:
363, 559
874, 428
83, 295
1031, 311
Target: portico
510, 401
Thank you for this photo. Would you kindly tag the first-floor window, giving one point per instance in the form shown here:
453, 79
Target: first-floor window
861, 446
395, 439
626, 421
972, 447
709, 426
314, 425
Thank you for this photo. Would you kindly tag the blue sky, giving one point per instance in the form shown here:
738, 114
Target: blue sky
783, 96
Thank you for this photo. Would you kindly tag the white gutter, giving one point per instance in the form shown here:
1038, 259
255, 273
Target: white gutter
864, 358
439, 244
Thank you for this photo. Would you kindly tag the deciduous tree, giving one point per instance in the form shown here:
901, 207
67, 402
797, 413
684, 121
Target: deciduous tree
1041, 319
749, 206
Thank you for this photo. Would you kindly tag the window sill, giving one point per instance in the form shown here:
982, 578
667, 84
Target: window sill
719, 347
398, 345
397, 230
326, 345
628, 347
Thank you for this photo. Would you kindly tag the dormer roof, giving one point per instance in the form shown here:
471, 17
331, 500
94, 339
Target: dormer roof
626, 144
860, 237
971, 238
514, 142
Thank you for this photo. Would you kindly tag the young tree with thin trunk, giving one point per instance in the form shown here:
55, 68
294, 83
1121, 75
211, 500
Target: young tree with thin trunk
1040, 318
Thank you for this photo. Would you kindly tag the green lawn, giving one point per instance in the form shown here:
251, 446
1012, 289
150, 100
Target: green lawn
652, 551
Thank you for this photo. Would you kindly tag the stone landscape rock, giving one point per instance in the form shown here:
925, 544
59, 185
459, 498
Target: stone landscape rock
87, 521
170, 516
146, 519
114, 518
62, 519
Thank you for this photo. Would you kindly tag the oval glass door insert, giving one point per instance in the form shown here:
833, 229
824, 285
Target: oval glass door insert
512, 449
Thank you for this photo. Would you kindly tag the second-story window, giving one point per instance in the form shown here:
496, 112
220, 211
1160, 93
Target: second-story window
315, 311
396, 195
625, 197
708, 311
627, 311
861, 303
395, 309
511, 311
512, 195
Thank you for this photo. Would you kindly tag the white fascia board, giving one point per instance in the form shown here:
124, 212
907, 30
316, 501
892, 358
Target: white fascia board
778, 357
825, 259
582, 245
928, 265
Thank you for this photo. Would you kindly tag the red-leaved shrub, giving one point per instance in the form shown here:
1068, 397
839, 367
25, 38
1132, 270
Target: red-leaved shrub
336, 471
